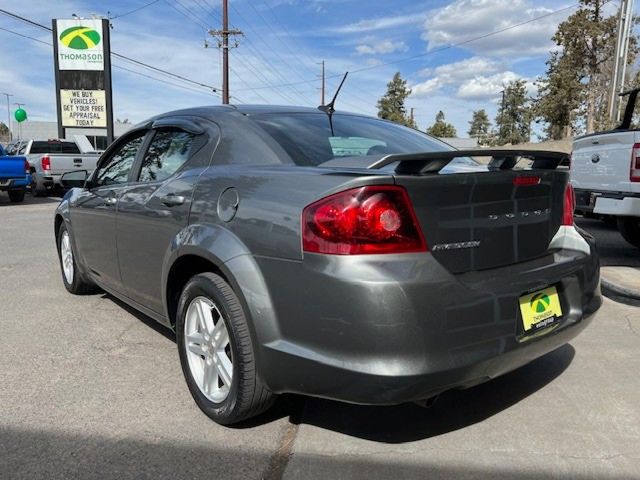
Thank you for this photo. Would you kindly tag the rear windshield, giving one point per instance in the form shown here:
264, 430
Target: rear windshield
54, 147
16, 148
310, 141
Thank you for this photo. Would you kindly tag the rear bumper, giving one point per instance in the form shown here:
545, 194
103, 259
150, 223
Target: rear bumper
608, 203
374, 330
627, 207
14, 183
48, 181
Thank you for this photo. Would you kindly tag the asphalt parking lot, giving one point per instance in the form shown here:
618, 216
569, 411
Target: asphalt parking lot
92, 389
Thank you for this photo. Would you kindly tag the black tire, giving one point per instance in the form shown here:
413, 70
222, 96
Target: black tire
16, 196
629, 228
79, 286
609, 220
248, 396
38, 190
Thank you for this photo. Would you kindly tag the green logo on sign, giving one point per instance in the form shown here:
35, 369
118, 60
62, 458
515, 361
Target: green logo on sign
80, 38
540, 302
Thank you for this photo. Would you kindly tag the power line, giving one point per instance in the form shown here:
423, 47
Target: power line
25, 36
116, 65
115, 54
135, 9
442, 49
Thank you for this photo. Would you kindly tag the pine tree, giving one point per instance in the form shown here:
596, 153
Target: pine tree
513, 121
576, 87
480, 127
441, 129
4, 132
391, 105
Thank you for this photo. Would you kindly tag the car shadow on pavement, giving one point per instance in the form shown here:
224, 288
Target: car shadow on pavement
28, 200
68, 454
612, 248
453, 410
148, 321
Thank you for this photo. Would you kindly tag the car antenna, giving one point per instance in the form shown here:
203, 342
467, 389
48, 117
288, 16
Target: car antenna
329, 109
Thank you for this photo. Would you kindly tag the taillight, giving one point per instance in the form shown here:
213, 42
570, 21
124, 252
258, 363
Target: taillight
634, 174
569, 205
365, 220
27, 167
45, 162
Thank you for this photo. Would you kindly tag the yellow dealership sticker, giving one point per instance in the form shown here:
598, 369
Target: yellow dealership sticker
540, 309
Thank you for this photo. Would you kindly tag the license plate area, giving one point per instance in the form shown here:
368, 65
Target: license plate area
540, 312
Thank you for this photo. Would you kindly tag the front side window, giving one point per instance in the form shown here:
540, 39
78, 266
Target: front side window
116, 170
168, 151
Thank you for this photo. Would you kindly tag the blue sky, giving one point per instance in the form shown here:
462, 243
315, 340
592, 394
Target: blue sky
284, 42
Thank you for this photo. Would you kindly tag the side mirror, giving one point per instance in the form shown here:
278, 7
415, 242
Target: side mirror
75, 179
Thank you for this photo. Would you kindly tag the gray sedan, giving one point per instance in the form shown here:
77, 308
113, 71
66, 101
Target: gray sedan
329, 254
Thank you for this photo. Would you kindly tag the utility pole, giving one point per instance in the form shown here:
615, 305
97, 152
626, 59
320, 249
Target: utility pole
411, 116
501, 131
9, 115
224, 44
625, 21
323, 86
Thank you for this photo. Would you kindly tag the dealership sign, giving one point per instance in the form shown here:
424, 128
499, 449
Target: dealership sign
80, 45
83, 74
84, 108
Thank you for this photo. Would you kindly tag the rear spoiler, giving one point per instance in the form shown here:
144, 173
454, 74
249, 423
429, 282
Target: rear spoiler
433, 162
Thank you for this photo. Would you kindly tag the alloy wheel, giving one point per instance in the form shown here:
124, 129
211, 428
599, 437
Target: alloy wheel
208, 349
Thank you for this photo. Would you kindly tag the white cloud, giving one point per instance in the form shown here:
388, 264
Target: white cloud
466, 19
455, 74
382, 47
381, 23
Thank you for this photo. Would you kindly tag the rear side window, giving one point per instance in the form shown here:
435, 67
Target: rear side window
314, 138
168, 151
69, 147
116, 170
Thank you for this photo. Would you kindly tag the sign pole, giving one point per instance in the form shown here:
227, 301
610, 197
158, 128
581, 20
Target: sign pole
106, 32
56, 69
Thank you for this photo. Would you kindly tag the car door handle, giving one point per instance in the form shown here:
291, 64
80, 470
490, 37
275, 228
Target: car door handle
111, 200
172, 200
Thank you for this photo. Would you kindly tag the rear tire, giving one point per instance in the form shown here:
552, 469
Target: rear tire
219, 368
38, 190
629, 228
16, 196
71, 276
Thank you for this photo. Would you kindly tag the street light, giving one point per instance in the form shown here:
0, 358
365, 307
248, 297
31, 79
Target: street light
8, 114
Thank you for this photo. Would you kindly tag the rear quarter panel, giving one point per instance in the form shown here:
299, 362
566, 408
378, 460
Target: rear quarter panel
271, 200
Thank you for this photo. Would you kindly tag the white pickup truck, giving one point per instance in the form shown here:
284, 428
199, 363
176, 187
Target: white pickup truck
605, 173
49, 159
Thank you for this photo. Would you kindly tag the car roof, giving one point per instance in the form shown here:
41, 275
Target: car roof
217, 110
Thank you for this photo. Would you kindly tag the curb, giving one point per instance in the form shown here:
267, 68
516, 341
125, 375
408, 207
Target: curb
618, 290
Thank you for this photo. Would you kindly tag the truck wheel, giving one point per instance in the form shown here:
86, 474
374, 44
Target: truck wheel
71, 276
16, 196
217, 353
38, 190
629, 228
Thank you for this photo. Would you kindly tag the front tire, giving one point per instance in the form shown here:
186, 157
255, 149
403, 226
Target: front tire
216, 352
71, 277
629, 228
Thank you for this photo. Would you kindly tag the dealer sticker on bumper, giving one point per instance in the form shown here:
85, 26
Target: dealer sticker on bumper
540, 309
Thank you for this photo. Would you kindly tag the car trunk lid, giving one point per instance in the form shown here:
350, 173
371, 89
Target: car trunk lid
476, 221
